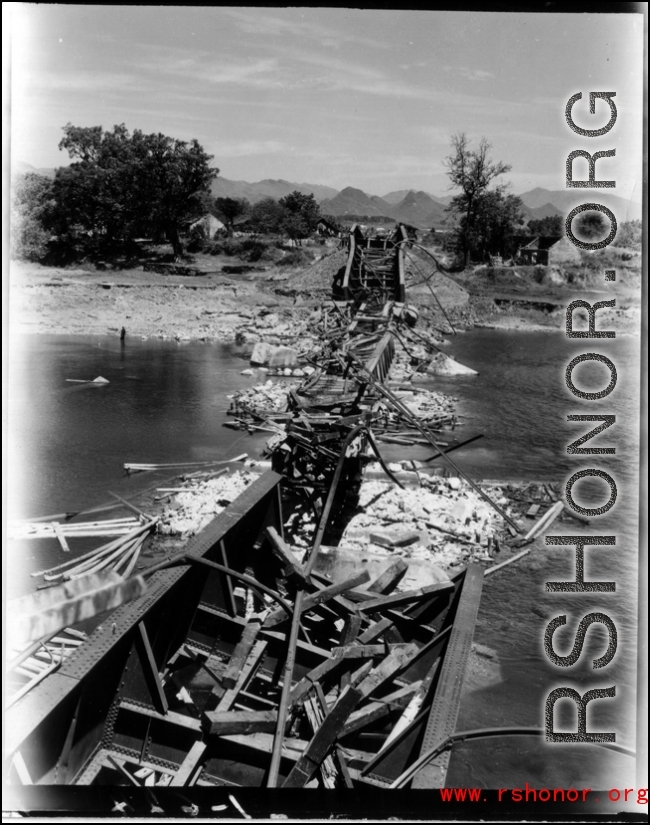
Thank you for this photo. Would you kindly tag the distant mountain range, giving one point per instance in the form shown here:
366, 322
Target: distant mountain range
421, 209
563, 200
19, 167
254, 192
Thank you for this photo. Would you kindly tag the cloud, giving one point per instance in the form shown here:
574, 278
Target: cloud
243, 148
469, 74
85, 82
258, 23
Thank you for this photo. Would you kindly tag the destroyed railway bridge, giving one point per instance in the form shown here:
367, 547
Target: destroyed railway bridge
242, 666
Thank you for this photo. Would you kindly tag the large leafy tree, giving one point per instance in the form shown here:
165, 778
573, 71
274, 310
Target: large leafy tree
302, 215
122, 185
229, 209
496, 216
471, 171
552, 225
32, 207
266, 217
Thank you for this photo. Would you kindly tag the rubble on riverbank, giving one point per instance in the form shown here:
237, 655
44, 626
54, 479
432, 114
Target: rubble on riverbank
195, 506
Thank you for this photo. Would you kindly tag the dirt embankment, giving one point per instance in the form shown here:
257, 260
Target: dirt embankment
227, 307
214, 307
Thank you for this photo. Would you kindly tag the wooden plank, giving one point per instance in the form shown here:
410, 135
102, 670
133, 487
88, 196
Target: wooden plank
390, 578
184, 774
348, 636
247, 672
414, 705
305, 684
376, 710
240, 653
282, 550
404, 598
171, 717
315, 715
375, 630
358, 651
343, 767
277, 635
59, 534
218, 690
322, 596
395, 661
149, 665
338, 656
239, 721
292, 749
323, 739
130, 506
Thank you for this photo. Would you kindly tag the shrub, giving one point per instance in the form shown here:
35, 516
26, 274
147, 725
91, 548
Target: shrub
297, 257
198, 238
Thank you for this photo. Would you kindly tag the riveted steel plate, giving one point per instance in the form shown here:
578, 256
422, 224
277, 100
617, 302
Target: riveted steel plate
118, 624
442, 718
28, 713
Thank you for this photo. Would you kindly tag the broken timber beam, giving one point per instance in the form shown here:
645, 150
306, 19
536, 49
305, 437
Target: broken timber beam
328, 732
390, 578
322, 596
404, 598
376, 710
218, 723
240, 653
281, 549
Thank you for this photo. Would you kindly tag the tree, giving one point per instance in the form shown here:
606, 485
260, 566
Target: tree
303, 213
266, 217
471, 171
122, 185
495, 216
630, 235
551, 225
31, 210
229, 209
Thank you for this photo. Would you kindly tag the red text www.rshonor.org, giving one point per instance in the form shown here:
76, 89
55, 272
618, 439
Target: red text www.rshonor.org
529, 794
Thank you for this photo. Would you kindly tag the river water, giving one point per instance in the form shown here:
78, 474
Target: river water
166, 402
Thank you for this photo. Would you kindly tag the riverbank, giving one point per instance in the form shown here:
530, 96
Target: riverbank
247, 308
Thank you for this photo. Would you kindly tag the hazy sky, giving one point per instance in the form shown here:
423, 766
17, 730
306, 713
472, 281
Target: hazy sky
335, 96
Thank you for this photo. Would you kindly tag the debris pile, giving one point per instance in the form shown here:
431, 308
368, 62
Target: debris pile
199, 501
358, 677
444, 522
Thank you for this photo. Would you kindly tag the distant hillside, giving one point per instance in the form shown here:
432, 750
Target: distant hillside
565, 199
19, 167
396, 197
351, 201
254, 192
400, 194
419, 209
415, 208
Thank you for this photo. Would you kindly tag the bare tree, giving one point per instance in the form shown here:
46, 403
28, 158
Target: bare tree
471, 171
